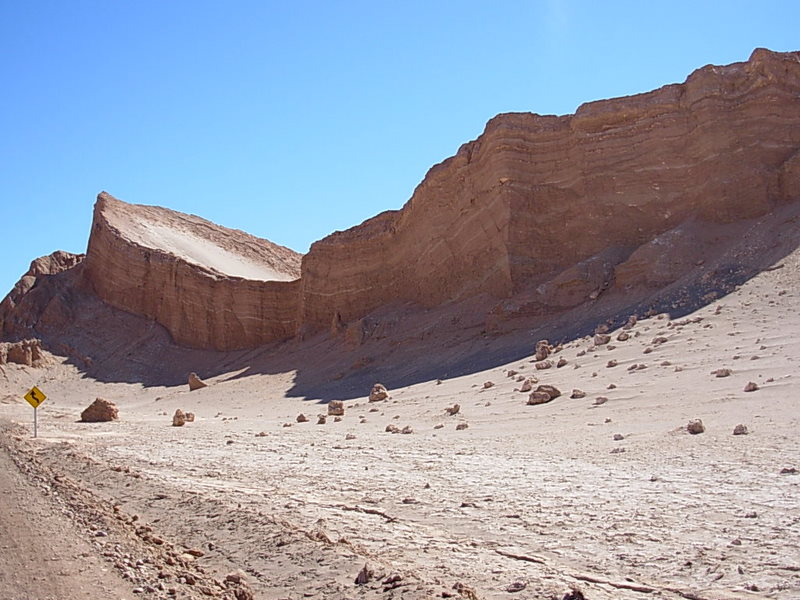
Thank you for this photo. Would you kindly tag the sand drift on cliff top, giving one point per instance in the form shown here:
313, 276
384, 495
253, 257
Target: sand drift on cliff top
199, 251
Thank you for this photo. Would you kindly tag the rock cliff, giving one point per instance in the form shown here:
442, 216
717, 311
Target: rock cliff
539, 215
210, 286
534, 196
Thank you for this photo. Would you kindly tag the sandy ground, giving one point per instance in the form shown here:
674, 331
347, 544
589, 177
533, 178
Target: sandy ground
527, 502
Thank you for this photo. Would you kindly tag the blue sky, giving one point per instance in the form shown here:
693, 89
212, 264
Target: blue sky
291, 120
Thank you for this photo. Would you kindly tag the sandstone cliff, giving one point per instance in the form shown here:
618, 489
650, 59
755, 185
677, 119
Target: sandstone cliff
535, 195
539, 215
210, 286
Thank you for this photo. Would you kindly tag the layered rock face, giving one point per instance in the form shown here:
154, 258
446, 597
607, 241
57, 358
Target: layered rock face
210, 286
556, 203
540, 214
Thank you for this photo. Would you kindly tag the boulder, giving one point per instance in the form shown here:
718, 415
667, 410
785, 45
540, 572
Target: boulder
542, 350
100, 411
601, 339
179, 418
336, 408
538, 398
378, 393
528, 384
195, 383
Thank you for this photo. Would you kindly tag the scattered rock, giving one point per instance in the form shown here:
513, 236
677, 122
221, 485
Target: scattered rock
100, 411
574, 594
453, 410
392, 428
438, 426
600, 400
527, 386
350, 436
517, 586
561, 362
511, 373
542, 350
722, 372
695, 426
611, 363
631, 322
336, 408
189, 417
337, 419
301, 418
611, 386
462, 426
488, 384
322, 419
576, 393
407, 430
262, 434
545, 364
657, 341
788, 471
623, 336
751, 387
378, 393
647, 350
618, 437
601, 338
195, 383
365, 575
236, 577
179, 418
740, 429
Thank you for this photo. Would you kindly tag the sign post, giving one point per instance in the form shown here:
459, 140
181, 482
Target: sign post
35, 397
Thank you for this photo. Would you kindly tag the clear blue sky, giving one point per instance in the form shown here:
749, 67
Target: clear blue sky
294, 119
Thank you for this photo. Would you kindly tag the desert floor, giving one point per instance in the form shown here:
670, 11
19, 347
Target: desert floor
526, 502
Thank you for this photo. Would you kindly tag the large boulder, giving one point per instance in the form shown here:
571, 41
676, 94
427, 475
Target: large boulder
100, 411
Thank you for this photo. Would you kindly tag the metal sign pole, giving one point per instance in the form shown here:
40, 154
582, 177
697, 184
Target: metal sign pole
35, 432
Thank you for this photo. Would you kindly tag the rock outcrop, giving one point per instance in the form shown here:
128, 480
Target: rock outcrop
211, 287
537, 216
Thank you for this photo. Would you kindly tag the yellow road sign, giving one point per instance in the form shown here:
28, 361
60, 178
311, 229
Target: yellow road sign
35, 397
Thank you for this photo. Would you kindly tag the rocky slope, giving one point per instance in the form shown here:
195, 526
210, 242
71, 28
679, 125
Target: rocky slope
538, 216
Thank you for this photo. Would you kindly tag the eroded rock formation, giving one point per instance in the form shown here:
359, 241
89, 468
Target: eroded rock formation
539, 215
210, 286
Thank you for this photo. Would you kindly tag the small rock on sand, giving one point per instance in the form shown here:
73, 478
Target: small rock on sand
488, 384
336, 408
301, 418
751, 387
576, 393
179, 418
722, 372
462, 426
527, 385
453, 410
695, 426
740, 429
